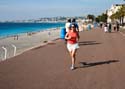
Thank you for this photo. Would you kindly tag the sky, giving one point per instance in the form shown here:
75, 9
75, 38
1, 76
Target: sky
34, 9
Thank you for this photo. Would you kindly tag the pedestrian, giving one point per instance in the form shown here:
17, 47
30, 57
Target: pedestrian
117, 26
72, 44
105, 28
110, 28
63, 33
49, 33
101, 25
76, 24
67, 25
114, 27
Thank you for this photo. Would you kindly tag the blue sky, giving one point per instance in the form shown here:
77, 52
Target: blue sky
33, 9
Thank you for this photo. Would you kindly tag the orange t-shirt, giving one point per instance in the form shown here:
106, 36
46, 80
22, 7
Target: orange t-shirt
73, 39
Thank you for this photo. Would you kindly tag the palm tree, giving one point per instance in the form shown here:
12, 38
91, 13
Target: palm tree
122, 13
114, 16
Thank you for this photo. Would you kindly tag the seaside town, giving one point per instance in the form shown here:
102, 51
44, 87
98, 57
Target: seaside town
46, 19
112, 13
69, 52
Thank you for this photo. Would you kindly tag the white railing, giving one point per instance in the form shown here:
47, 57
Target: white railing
14, 53
6, 52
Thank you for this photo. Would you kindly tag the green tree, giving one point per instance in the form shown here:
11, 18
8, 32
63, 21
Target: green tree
102, 18
97, 19
119, 15
115, 16
122, 13
92, 17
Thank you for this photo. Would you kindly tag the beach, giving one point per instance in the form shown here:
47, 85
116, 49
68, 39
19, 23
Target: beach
27, 41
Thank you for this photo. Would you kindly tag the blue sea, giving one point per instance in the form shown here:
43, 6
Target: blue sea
9, 29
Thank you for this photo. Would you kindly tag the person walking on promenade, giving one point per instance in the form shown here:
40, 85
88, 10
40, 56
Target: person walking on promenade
101, 24
63, 33
67, 25
72, 43
105, 28
110, 28
76, 24
117, 26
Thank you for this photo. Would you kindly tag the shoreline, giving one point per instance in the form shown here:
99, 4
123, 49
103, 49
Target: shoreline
27, 42
28, 33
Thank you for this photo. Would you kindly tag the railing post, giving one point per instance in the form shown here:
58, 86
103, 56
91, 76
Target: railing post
14, 49
5, 53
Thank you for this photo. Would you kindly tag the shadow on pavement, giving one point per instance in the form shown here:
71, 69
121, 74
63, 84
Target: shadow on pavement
88, 43
85, 64
49, 43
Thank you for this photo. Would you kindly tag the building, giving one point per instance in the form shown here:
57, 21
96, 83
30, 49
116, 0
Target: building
114, 8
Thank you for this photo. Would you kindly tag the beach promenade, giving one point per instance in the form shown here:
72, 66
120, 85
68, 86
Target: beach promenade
48, 66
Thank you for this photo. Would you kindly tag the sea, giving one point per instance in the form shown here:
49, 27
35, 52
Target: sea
10, 29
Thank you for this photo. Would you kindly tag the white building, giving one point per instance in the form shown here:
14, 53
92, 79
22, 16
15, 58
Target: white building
114, 8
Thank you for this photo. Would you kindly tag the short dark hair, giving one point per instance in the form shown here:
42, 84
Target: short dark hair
73, 20
69, 20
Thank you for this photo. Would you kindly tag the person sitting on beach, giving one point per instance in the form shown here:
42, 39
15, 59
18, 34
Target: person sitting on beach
67, 25
72, 43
